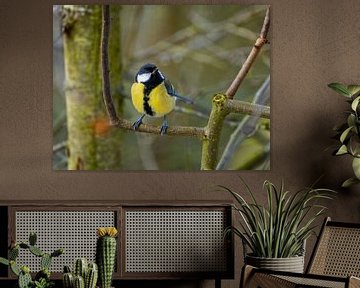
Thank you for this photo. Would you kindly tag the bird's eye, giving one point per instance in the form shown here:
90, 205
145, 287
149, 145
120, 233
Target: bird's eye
144, 77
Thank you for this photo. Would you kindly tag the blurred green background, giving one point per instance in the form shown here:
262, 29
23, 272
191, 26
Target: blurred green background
200, 48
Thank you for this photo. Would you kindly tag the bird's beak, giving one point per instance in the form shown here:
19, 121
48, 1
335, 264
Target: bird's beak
156, 69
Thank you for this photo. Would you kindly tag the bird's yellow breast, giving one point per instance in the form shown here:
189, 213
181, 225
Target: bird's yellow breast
137, 96
160, 102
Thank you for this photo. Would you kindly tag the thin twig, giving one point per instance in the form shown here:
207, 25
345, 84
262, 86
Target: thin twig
60, 146
246, 127
109, 103
251, 58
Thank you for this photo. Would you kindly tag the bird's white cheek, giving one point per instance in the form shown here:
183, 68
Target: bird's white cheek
141, 78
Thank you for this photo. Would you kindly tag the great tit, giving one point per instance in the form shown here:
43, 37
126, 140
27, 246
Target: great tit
152, 94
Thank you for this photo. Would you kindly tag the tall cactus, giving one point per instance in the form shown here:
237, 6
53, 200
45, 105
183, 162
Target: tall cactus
106, 254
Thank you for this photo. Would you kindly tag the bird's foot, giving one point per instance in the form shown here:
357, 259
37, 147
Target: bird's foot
137, 123
164, 127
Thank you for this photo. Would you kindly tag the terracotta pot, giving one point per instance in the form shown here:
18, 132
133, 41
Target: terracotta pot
291, 264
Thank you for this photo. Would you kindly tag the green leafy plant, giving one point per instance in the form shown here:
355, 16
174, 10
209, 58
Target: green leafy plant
349, 132
43, 283
42, 278
280, 229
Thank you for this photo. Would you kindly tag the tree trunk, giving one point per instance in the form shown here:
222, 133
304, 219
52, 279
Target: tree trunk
92, 143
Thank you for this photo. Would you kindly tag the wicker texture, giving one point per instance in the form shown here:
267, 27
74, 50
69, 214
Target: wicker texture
175, 241
75, 231
338, 252
312, 282
268, 281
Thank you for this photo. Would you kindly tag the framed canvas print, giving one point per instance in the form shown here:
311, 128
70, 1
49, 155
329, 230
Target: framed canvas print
161, 87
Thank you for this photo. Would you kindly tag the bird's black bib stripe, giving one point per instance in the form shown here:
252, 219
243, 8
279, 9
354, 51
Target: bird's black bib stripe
147, 107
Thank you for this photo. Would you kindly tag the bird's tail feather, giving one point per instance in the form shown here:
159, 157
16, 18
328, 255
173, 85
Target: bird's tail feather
184, 99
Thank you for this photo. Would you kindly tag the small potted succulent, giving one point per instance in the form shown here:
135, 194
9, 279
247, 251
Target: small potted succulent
274, 234
348, 132
84, 274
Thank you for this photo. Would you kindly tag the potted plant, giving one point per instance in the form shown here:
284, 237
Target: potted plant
276, 233
42, 278
348, 133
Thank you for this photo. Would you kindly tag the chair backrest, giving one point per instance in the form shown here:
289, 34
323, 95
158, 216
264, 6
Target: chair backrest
337, 251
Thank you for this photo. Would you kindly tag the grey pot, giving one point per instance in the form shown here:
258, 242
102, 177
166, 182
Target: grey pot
291, 264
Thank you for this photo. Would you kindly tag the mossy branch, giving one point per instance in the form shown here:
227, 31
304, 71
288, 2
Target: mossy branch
223, 104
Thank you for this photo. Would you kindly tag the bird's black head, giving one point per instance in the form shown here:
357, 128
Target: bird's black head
149, 75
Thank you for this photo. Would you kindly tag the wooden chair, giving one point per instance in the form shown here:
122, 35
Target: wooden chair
334, 263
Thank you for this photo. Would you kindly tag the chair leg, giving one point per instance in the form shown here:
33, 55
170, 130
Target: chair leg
246, 274
250, 278
354, 282
217, 283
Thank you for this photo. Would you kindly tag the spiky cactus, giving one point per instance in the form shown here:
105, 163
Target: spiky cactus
106, 254
80, 267
91, 275
84, 274
68, 280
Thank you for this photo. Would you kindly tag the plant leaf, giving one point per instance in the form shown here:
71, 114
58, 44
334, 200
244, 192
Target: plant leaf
356, 167
345, 134
351, 120
353, 89
340, 88
355, 103
342, 150
354, 145
349, 182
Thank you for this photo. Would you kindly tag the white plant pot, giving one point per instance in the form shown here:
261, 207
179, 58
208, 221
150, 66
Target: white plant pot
291, 264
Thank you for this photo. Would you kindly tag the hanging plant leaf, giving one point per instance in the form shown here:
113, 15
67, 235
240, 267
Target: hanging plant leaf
354, 90
342, 150
354, 145
356, 167
355, 103
349, 182
345, 134
340, 88
351, 120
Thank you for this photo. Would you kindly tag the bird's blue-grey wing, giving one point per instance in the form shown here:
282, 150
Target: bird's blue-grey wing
171, 91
